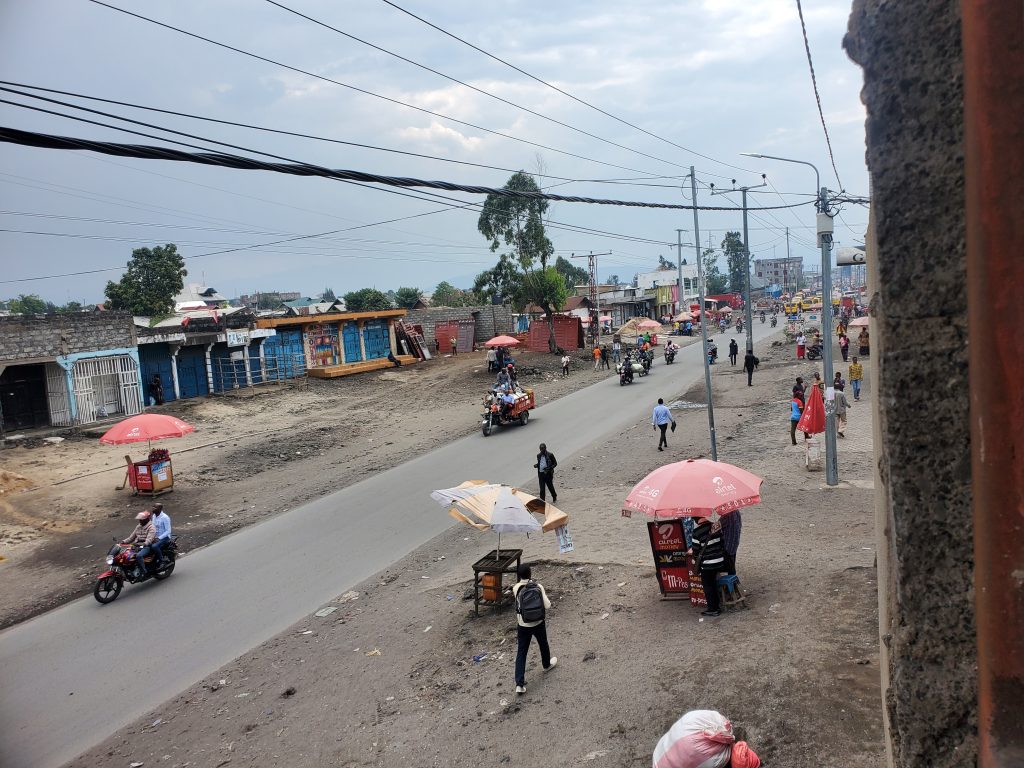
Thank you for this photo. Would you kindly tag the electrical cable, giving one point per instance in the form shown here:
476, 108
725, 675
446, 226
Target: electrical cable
635, 181
464, 84
362, 90
563, 92
817, 95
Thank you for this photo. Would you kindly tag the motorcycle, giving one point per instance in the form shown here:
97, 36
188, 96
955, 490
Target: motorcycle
762, 317
626, 372
712, 354
670, 355
496, 415
646, 359
775, 321
814, 352
739, 326
121, 559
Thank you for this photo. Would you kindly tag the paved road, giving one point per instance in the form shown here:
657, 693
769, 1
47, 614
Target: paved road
64, 675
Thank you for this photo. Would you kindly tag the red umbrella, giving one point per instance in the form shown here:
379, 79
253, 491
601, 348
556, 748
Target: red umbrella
502, 341
146, 427
693, 488
648, 324
812, 420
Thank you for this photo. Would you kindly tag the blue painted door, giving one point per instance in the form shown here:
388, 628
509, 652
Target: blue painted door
155, 360
192, 372
255, 368
375, 337
350, 339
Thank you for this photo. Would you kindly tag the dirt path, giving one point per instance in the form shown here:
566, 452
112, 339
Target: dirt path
402, 673
249, 458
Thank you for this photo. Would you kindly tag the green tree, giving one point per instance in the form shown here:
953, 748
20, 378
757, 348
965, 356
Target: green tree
518, 223
70, 308
714, 280
148, 287
407, 297
502, 281
328, 295
367, 300
664, 263
572, 274
27, 304
736, 261
447, 295
613, 280
270, 300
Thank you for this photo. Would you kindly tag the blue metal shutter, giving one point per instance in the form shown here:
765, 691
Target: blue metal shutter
156, 359
350, 338
375, 335
192, 379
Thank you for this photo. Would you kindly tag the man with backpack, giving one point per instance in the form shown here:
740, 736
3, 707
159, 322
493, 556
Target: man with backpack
531, 606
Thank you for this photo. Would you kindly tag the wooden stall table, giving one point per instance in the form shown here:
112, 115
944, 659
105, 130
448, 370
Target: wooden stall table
488, 575
152, 476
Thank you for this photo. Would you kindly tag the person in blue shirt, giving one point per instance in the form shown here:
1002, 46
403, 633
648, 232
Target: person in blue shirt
661, 418
162, 525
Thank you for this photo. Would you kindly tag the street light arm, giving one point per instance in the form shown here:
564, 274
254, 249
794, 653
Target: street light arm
817, 176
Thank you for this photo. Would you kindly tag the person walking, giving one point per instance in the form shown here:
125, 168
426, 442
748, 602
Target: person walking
617, 351
709, 557
856, 376
732, 527
796, 408
597, 357
604, 357
799, 386
801, 346
734, 350
545, 466
863, 342
841, 404
839, 382
532, 604
455, 345
749, 364
661, 418
492, 359
844, 345
565, 365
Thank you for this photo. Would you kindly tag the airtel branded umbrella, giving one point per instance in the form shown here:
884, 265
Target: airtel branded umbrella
146, 427
693, 488
648, 325
499, 508
812, 420
502, 341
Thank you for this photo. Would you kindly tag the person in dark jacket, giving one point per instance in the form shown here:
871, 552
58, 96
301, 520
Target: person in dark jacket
709, 555
733, 351
156, 390
749, 364
732, 527
545, 466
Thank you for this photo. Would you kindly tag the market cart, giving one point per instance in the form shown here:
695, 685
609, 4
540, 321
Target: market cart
153, 475
489, 585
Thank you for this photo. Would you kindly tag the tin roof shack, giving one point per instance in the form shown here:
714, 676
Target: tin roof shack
343, 343
66, 370
568, 333
205, 352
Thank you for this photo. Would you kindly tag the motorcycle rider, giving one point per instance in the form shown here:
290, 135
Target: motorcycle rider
712, 352
504, 379
507, 400
762, 316
144, 534
162, 525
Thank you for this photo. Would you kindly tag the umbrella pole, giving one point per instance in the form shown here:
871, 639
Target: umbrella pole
498, 553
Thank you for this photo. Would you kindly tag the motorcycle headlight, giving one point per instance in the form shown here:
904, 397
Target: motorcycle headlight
110, 560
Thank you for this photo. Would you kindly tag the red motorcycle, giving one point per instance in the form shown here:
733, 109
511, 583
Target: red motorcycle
122, 561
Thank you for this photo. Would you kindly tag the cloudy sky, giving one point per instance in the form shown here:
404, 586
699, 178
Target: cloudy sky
706, 80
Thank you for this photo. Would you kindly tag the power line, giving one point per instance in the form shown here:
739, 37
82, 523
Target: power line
464, 84
49, 141
3, 83
559, 90
362, 90
817, 96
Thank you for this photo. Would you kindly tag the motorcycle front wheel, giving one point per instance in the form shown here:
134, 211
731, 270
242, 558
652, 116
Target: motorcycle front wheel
486, 427
107, 589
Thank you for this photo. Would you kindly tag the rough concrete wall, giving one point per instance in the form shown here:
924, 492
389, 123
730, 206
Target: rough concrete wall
491, 320
23, 337
913, 90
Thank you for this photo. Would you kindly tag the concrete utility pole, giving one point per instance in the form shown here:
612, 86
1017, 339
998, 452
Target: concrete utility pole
824, 228
703, 325
749, 307
679, 264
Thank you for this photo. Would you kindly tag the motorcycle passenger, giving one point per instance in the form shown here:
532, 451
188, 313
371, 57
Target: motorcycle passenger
507, 400
712, 352
162, 525
144, 535
504, 379
722, 325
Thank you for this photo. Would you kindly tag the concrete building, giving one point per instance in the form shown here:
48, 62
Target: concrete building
787, 273
66, 370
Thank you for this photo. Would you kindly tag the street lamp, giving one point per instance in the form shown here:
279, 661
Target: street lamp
825, 241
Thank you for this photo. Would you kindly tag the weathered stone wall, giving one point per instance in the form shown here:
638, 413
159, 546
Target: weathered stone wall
913, 90
491, 320
24, 337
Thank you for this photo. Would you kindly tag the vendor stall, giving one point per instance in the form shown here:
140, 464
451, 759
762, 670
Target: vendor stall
153, 475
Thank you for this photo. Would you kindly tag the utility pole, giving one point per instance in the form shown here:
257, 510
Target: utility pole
679, 264
703, 324
594, 294
785, 272
746, 257
825, 228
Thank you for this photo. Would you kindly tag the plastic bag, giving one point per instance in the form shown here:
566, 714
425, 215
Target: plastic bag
702, 738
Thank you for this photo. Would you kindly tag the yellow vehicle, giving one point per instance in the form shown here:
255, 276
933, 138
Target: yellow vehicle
791, 307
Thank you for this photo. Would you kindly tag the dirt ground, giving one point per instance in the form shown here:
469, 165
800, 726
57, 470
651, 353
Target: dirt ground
249, 458
402, 673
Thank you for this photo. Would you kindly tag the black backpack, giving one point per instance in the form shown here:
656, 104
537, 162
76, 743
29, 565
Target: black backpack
530, 602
